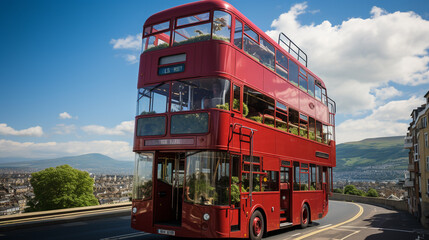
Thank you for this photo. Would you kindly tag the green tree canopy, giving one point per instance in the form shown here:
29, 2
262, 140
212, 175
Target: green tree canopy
61, 187
352, 190
372, 193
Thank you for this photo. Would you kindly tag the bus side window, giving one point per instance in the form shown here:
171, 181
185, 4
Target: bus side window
318, 131
237, 99
293, 73
296, 176
293, 121
221, 26
238, 34
312, 128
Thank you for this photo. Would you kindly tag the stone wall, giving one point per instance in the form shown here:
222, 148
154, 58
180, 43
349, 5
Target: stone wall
398, 205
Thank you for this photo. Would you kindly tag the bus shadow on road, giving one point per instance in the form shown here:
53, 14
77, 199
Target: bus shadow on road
394, 225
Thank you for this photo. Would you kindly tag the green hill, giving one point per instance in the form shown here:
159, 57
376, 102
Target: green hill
93, 163
372, 159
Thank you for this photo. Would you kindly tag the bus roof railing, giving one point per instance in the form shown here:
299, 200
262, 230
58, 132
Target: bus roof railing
292, 48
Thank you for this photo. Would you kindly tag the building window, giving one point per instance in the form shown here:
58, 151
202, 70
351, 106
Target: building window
427, 187
424, 122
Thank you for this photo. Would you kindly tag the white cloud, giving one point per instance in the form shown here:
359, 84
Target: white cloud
386, 93
384, 121
29, 132
123, 128
130, 42
131, 58
360, 55
115, 149
64, 129
65, 115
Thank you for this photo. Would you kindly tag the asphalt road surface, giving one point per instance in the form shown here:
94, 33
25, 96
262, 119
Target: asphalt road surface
345, 221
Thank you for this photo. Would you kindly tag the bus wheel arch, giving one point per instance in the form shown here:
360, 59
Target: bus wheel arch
305, 215
257, 224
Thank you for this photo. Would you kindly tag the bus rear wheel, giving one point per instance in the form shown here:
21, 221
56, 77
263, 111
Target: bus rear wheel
305, 216
256, 226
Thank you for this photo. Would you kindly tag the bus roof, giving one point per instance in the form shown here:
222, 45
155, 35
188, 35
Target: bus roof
207, 5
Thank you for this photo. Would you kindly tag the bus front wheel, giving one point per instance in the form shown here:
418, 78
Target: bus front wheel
256, 226
305, 216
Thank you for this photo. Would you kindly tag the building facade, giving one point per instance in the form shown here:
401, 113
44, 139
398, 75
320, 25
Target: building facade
417, 182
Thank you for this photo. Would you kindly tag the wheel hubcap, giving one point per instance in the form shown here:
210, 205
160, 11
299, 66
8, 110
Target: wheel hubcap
257, 226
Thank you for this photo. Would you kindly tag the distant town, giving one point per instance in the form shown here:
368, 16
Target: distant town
16, 190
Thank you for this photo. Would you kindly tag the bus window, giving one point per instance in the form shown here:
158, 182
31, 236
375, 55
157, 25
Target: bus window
249, 32
207, 178
261, 107
304, 177
282, 64
312, 128
313, 177
235, 180
281, 117
237, 98
155, 42
270, 181
293, 73
303, 125
324, 97
325, 134
311, 85
193, 33
303, 80
296, 176
293, 121
142, 181
238, 34
284, 174
320, 177
221, 26
318, 93
266, 54
318, 131
200, 94
153, 99
193, 19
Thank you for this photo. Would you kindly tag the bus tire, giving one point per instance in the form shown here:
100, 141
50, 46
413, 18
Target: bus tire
256, 226
305, 216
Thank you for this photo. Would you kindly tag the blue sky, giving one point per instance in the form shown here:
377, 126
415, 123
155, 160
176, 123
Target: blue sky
66, 90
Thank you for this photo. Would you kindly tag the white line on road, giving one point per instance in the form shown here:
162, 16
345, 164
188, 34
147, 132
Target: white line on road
130, 235
296, 234
381, 229
353, 233
325, 226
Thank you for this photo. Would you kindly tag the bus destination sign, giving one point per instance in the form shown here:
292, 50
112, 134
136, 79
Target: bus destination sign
178, 68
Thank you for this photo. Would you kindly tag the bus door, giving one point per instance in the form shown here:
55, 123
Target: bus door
235, 213
169, 188
325, 186
285, 191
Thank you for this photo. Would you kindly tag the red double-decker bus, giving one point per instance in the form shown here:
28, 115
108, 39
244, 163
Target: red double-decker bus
234, 135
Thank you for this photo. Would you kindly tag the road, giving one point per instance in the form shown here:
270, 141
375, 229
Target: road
345, 221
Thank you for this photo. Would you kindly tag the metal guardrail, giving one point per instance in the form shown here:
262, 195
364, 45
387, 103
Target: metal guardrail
62, 214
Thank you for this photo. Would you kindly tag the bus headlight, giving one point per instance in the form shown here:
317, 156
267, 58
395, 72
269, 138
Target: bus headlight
206, 216
134, 210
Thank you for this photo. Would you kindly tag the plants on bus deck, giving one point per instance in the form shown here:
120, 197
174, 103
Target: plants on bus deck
236, 105
235, 191
159, 46
198, 38
199, 189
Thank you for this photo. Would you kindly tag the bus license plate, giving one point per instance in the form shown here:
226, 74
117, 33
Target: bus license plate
166, 232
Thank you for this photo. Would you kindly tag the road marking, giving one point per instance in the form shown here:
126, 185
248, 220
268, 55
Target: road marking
325, 226
130, 235
296, 234
61, 216
334, 226
351, 234
381, 229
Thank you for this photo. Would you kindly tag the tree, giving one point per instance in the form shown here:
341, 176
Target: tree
372, 193
61, 187
352, 190
338, 190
